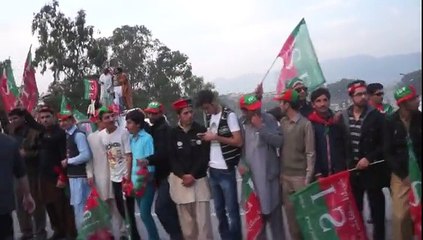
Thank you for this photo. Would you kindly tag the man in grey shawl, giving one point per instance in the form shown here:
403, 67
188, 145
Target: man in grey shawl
263, 138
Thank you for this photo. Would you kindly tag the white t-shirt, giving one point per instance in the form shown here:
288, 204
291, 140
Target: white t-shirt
117, 145
216, 157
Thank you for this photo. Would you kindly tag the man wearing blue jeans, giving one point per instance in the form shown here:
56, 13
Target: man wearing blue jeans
225, 151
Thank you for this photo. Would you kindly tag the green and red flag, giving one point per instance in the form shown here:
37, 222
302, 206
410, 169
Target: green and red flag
96, 224
253, 217
326, 210
8, 90
415, 194
300, 60
91, 89
65, 107
29, 90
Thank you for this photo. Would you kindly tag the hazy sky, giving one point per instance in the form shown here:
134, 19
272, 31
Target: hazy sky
229, 38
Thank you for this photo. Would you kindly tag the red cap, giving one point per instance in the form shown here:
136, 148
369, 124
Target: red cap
154, 107
63, 117
181, 104
249, 102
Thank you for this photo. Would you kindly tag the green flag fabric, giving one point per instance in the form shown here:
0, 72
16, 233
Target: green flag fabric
415, 194
326, 210
300, 60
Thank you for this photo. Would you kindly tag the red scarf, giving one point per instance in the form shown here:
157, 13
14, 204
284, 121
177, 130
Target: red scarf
315, 117
377, 106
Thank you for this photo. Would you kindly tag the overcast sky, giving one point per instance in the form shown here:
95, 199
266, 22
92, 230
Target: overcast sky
229, 38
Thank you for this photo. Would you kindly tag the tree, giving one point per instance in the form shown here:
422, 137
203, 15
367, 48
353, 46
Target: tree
68, 48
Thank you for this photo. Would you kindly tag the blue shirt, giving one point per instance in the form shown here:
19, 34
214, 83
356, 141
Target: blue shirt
141, 146
83, 147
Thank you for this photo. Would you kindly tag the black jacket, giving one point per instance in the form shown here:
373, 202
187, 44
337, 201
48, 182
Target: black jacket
160, 132
330, 145
370, 147
52, 151
188, 154
305, 108
396, 151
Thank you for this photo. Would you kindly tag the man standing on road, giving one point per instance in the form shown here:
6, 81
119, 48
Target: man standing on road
363, 127
165, 207
298, 154
224, 134
403, 126
11, 167
263, 138
53, 177
27, 132
78, 154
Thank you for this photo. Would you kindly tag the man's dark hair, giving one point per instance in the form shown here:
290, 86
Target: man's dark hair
18, 112
373, 87
137, 117
119, 70
204, 97
319, 92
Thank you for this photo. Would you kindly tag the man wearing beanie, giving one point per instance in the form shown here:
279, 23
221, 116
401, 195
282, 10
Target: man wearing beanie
297, 155
165, 208
363, 126
263, 138
375, 92
404, 125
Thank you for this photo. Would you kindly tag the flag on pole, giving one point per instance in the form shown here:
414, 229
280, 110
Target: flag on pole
300, 60
8, 90
91, 89
96, 224
29, 90
65, 107
253, 217
326, 210
415, 194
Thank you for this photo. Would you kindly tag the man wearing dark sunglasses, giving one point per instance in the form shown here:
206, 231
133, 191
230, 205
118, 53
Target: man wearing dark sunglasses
297, 84
375, 91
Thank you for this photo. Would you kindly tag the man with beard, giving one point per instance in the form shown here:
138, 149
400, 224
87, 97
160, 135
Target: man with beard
165, 207
329, 136
297, 155
53, 178
363, 127
403, 126
27, 132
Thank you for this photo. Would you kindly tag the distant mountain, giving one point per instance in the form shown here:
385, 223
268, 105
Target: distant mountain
372, 69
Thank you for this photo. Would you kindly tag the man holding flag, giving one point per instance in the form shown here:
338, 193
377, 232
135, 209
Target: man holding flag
404, 124
363, 126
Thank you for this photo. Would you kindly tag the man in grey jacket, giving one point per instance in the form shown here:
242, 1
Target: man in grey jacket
262, 138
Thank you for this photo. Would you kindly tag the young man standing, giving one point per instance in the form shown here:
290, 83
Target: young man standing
12, 167
115, 140
224, 134
78, 153
165, 207
188, 183
26, 131
263, 138
53, 176
403, 126
329, 136
375, 92
298, 153
363, 127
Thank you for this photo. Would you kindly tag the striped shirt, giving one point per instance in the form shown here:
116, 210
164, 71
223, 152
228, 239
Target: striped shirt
355, 131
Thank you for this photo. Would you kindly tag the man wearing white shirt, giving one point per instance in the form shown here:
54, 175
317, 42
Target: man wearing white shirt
225, 136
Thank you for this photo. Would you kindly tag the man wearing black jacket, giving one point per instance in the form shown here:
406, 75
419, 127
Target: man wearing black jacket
165, 207
405, 124
53, 176
364, 145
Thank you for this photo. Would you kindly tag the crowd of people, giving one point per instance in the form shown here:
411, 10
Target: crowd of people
183, 167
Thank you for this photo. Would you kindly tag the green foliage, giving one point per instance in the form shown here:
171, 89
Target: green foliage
69, 49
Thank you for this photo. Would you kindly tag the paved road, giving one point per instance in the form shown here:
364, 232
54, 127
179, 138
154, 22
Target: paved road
164, 236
